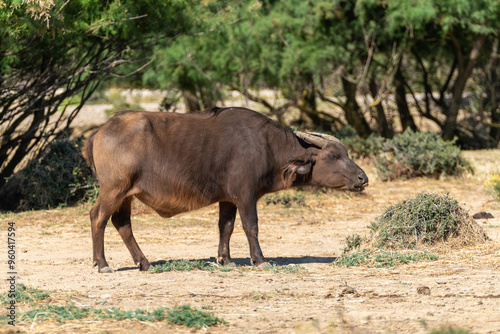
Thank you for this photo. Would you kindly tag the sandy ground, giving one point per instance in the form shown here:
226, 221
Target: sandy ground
54, 253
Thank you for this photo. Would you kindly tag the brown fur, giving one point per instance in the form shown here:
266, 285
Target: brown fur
180, 162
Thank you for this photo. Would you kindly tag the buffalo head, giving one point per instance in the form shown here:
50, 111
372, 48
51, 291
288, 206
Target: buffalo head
330, 166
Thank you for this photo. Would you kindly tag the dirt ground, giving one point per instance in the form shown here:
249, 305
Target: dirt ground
54, 253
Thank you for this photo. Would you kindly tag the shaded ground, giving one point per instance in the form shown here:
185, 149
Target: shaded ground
54, 253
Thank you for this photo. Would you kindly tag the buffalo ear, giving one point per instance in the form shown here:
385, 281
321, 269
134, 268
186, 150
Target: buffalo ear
294, 168
304, 168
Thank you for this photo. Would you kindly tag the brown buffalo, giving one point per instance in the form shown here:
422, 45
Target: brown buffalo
180, 162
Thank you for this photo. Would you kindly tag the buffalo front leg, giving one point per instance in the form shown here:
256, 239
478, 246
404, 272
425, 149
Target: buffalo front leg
122, 223
249, 220
227, 215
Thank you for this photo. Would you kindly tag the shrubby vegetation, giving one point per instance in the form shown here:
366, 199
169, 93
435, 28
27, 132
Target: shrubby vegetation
425, 219
410, 154
415, 223
60, 175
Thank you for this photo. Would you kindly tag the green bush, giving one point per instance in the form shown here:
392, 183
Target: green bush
424, 219
413, 154
59, 175
364, 148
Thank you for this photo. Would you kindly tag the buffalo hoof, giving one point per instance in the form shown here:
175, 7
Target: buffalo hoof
106, 270
144, 266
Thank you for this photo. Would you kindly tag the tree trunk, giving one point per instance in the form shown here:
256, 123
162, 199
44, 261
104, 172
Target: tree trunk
464, 72
190, 101
492, 103
384, 128
352, 111
403, 110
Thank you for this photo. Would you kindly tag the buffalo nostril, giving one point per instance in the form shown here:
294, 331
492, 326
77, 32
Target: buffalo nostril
363, 179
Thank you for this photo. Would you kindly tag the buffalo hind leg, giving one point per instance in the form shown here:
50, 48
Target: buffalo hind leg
99, 216
249, 220
122, 223
227, 214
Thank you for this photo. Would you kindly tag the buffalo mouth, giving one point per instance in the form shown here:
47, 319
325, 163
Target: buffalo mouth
358, 187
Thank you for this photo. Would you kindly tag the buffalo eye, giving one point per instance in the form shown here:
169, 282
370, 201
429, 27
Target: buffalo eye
333, 156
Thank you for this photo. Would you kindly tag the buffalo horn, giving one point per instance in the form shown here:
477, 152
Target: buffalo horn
315, 138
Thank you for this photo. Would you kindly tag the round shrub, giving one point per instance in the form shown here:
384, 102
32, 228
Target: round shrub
425, 219
413, 154
364, 148
59, 175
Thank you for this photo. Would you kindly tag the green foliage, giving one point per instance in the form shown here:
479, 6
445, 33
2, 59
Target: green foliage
355, 259
286, 200
450, 330
364, 148
289, 269
182, 315
53, 51
352, 242
413, 154
382, 259
346, 132
391, 259
182, 265
25, 295
59, 175
187, 316
424, 219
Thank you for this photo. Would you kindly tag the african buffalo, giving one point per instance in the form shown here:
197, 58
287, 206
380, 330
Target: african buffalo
180, 162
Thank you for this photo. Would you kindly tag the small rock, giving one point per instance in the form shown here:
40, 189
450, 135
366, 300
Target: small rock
347, 291
482, 215
423, 290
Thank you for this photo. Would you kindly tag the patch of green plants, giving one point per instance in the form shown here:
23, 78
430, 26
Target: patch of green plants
423, 220
382, 259
182, 265
25, 295
412, 154
182, 315
289, 269
426, 218
352, 241
391, 259
59, 175
450, 330
285, 199
187, 316
353, 259
364, 148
